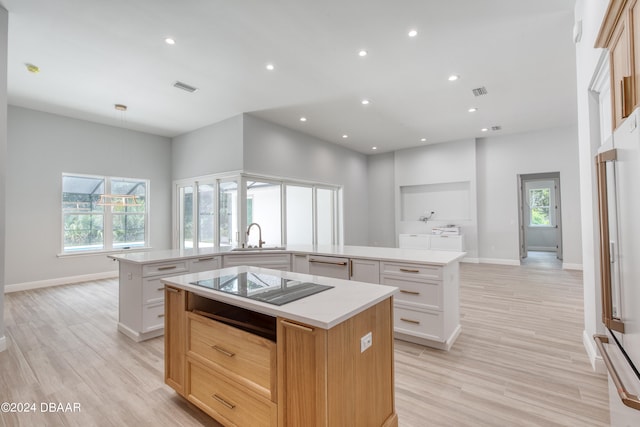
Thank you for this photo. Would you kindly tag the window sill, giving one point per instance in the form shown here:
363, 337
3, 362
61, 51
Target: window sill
102, 252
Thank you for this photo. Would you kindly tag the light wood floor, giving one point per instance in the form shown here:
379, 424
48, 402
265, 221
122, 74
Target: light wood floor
518, 362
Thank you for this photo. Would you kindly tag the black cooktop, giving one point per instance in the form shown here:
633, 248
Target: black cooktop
263, 287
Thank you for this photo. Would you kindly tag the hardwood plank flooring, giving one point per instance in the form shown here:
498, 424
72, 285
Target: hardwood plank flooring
518, 362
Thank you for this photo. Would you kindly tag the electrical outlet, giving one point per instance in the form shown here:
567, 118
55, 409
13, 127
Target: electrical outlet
130, 276
365, 342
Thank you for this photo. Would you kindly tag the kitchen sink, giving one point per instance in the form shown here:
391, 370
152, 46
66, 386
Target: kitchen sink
264, 248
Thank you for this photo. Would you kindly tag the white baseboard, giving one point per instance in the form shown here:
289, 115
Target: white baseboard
470, 260
597, 364
501, 261
569, 266
3, 343
59, 281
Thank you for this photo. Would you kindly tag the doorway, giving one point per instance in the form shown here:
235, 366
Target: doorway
540, 219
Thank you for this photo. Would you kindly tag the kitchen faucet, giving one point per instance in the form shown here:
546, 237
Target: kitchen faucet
260, 241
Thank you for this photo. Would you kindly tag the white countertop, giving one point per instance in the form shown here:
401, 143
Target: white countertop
323, 310
363, 252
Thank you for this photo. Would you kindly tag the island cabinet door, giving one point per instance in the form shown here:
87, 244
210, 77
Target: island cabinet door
302, 375
174, 338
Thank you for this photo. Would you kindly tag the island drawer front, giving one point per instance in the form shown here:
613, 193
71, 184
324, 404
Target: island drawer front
432, 272
204, 263
423, 324
153, 316
274, 261
221, 397
425, 293
247, 357
165, 268
152, 290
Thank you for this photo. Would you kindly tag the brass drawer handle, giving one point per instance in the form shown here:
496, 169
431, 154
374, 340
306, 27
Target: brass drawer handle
402, 291
407, 270
171, 290
224, 402
627, 398
161, 315
205, 259
223, 351
295, 325
160, 289
169, 267
415, 322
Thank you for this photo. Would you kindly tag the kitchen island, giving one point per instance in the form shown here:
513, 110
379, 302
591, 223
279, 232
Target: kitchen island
325, 359
426, 309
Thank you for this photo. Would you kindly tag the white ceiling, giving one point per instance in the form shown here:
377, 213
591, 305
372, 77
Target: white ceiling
94, 53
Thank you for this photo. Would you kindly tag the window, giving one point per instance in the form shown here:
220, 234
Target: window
539, 206
89, 226
264, 208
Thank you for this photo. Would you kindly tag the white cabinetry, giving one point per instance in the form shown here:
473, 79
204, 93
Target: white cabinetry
300, 263
141, 296
426, 309
434, 242
364, 270
273, 261
329, 266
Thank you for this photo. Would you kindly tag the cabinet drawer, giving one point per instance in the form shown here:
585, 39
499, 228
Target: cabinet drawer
275, 261
418, 323
153, 316
425, 293
446, 243
152, 291
412, 270
205, 263
165, 268
247, 358
221, 397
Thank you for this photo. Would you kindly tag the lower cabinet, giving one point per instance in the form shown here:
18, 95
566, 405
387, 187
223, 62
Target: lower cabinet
364, 270
273, 261
279, 372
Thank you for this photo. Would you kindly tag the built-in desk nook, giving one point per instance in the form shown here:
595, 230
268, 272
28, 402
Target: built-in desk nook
323, 359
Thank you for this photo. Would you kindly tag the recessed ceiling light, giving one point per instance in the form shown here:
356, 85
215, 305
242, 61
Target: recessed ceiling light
484, 129
453, 77
170, 41
423, 139
362, 53
270, 67
365, 102
413, 33
472, 109
120, 107
374, 148
345, 136
32, 68
303, 119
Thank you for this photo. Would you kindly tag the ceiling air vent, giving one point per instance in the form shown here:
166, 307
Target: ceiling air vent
185, 86
479, 91
496, 127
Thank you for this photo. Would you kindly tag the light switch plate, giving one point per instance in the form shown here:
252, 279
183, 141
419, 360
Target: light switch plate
365, 342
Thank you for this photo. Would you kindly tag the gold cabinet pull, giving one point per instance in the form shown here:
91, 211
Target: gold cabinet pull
223, 351
161, 315
205, 259
402, 291
223, 401
168, 267
415, 322
160, 289
175, 291
296, 326
409, 270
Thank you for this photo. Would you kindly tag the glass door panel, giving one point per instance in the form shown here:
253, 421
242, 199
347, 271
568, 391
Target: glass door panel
325, 208
265, 208
299, 215
185, 212
206, 215
228, 213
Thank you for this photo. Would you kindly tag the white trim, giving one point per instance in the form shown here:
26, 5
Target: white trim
470, 260
3, 343
570, 266
59, 281
500, 261
597, 363
542, 248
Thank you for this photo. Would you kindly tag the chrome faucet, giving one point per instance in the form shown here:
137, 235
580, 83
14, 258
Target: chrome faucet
260, 241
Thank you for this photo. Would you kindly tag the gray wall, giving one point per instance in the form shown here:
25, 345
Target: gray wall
212, 149
41, 147
382, 210
499, 161
4, 26
271, 149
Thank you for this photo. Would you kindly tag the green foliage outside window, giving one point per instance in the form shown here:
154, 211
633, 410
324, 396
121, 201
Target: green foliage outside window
539, 205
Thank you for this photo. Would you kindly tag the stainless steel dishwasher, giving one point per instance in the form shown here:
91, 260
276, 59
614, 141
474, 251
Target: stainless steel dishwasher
329, 266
